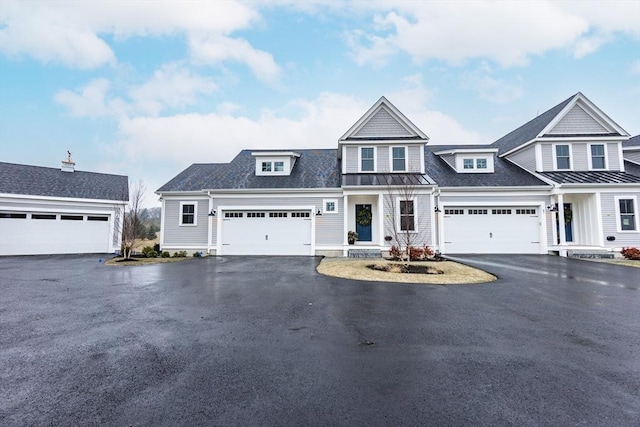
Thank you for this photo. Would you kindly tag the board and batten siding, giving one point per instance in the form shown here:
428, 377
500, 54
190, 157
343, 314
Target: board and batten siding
576, 122
526, 158
610, 221
329, 227
176, 235
424, 213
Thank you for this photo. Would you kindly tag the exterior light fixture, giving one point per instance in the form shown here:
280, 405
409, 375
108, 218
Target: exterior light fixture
437, 209
318, 213
212, 213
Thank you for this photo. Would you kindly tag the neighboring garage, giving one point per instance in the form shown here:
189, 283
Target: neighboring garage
491, 229
59, 211
266, 232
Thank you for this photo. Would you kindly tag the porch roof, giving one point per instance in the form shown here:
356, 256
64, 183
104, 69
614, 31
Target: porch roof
386, 179
591, 177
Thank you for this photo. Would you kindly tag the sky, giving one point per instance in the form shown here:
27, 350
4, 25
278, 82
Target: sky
146, 88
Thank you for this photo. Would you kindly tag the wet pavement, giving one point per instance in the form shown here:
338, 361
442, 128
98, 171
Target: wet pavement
267, 341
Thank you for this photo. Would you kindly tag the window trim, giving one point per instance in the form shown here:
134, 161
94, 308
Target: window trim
265, 163
324, 206
634, 199
195, 214
406, 158
375, 159
486, 163
415, 214
604, 155
555, 157
473, 163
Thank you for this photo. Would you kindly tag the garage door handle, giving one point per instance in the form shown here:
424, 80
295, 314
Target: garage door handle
491, 235
266, 237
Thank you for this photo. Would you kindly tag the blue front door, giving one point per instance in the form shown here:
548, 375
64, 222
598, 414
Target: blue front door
362, 228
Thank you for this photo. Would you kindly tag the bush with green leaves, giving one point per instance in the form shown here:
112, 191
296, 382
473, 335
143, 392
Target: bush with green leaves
165, 254
149, 252
180, 254
197, 254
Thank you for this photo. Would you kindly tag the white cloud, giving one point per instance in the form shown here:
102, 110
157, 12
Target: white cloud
508, 33
482, 81
634, 68
91, 100
215, 49
171, 86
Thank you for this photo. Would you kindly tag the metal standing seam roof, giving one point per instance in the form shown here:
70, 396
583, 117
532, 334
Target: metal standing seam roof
592, 177
386, 179
53, 182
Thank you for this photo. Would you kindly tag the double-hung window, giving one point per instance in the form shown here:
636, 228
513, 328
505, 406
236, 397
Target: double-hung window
187, 213
481, 163
407, 216
627, 212
266, 166
563, 157
597, 156
467, 163
278, 166
367, 163
398, 159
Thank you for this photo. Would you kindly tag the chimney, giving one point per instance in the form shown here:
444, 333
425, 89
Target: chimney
68, 165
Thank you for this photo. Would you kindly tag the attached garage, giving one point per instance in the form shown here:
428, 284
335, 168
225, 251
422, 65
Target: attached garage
30, 233
491, 229
266, 232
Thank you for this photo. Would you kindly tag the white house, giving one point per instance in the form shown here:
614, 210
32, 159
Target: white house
560, 183
60, 211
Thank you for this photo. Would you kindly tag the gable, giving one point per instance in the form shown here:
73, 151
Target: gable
578, 122
383, 125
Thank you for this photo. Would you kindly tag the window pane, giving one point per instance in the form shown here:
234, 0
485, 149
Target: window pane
597, 150
406, 223
188, 208
266, 166
330, 207
366, 155
467, 163
278, 166
481, 163
626, 206
562, 150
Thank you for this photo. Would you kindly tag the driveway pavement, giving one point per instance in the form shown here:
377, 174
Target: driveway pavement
267, 341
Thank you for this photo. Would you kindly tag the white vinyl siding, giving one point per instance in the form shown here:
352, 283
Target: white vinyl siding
179, 236
423, 207
548, 156
382, 124
579, 157
610, 220
577, 122
633, 156
613, 156
526, 158
351, 159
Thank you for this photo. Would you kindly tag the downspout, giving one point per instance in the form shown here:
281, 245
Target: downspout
209, 224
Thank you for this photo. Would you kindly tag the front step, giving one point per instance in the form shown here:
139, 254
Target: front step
364, 253
590, 254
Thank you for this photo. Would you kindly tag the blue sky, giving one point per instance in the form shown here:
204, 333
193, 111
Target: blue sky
147, 88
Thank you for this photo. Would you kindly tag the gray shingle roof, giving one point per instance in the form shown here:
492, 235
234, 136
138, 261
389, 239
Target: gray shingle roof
52, 182
591, 177
506, 174
634, 141
313, 169
529, 130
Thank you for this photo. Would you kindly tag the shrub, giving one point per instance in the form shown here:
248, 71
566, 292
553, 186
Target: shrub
197, 254
181, 254
428, 252
394, 252
165, 254
415, 254
631, 253
149, 252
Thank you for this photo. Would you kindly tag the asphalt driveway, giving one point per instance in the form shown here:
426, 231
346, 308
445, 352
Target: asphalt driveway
267, 341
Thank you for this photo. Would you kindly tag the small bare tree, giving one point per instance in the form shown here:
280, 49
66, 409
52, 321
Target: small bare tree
403, 190
129, 223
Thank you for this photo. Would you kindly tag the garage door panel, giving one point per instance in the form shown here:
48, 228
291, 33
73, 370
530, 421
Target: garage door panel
266, 233
494, 229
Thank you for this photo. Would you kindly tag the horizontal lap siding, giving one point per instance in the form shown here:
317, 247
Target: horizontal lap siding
383, 159
547, 157
328, 226
613, 156
580, 157
633, 156
424, 213
176, 235
609, 221
526, 159
577, 121
414, 158
351, 160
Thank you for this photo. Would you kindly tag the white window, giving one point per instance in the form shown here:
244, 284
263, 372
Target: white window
627, 213
266, 166
188, 213
407, 215
598, 156
367, 159
467, 163
330, 206
563, 157
399, 159
481, 163
278, 166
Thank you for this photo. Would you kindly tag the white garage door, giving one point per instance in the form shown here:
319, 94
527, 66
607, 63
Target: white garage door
53, 233
266, 233
491, 230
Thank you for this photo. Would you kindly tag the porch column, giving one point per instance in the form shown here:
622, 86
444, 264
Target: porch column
345, 221
380, 219
209, 225
561, 231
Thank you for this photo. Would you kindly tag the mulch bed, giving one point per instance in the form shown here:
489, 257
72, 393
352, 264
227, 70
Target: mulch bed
403, 268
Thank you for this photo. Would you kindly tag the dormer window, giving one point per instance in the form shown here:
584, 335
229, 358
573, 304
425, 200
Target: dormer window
481, 163
467, 164
469, 160
399, 159
275, 162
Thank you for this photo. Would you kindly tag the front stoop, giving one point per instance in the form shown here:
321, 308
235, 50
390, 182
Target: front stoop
364, 253
590, 254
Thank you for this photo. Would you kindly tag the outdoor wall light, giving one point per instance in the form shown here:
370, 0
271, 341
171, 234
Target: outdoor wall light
552, 208
318, 213
437, 209
212, 213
